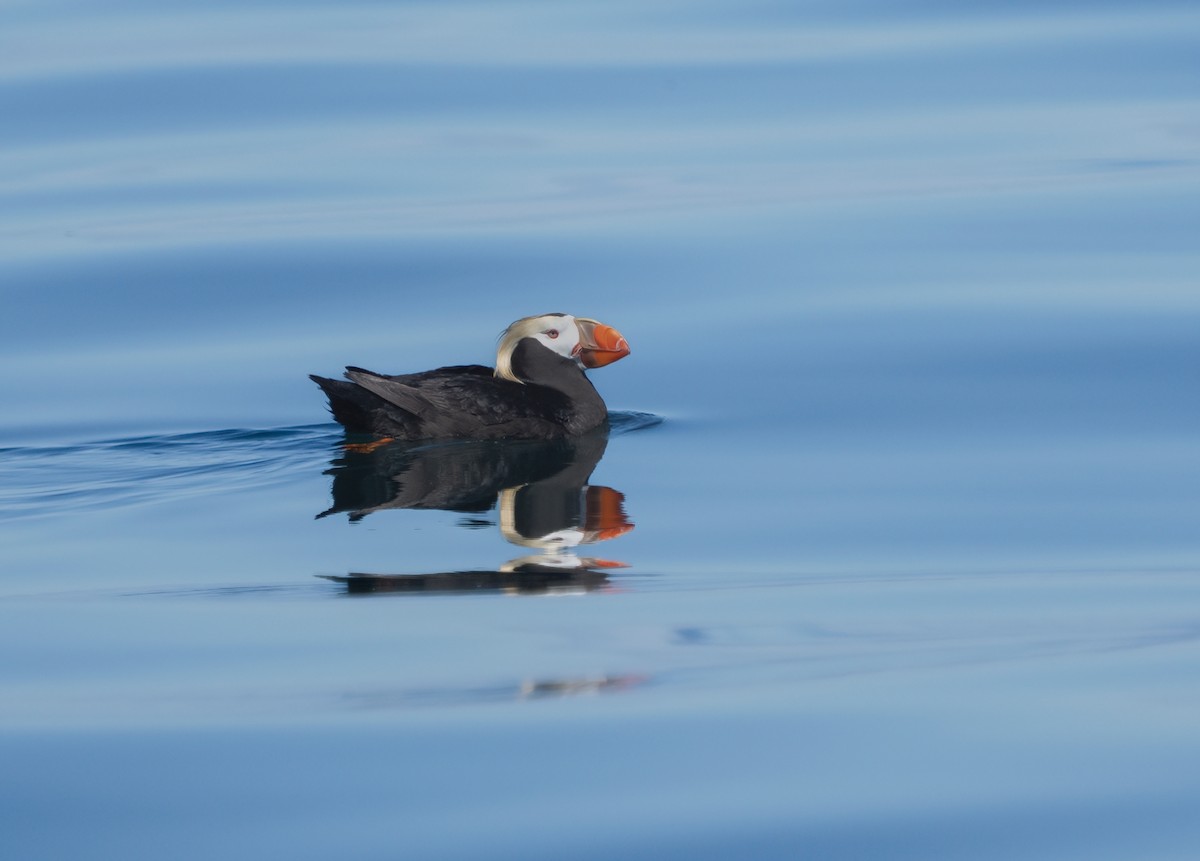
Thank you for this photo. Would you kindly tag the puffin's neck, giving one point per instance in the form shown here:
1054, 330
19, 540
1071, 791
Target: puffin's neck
538, 366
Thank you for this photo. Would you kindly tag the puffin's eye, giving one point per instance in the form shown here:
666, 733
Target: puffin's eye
552, 333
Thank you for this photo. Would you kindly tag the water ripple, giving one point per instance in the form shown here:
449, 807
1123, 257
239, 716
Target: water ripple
37, 480
43, 479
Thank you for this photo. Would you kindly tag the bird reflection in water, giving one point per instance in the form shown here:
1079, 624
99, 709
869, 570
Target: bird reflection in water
540, 490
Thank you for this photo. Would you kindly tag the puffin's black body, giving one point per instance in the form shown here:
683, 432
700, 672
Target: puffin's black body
544, 395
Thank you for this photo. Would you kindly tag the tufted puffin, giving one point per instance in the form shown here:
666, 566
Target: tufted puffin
538, 389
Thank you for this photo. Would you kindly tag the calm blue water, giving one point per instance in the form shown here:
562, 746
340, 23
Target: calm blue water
893, 548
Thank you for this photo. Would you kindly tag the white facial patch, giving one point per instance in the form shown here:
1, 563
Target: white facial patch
558, 334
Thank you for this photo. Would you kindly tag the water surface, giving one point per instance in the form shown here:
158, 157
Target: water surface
891, 550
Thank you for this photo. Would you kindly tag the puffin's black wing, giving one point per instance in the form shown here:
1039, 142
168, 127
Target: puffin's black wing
404, 395
435, 376
464, 402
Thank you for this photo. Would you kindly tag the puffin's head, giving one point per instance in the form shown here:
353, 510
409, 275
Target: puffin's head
587, 342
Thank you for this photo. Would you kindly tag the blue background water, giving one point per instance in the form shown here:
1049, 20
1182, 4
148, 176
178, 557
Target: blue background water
912, 285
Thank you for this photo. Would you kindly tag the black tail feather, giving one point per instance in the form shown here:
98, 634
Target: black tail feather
351, 405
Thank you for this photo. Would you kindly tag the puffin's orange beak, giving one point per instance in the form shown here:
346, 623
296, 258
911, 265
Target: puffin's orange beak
599, 345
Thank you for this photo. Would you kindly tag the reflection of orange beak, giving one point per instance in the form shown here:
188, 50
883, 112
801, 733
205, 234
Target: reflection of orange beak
599, 345
603, 563
605, 517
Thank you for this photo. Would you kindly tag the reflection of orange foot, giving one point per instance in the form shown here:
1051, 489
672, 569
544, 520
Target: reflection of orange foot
368, 447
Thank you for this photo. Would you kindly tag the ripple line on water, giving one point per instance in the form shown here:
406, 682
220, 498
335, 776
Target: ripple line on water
39, 480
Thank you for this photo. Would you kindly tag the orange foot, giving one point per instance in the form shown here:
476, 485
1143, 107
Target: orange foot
368, 447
